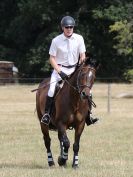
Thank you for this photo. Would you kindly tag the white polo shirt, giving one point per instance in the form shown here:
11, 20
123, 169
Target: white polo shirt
66, 51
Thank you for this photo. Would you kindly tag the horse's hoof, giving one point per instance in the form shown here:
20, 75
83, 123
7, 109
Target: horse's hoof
61, 161
51, 164
75, 166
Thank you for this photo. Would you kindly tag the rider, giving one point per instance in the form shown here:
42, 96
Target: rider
65, 50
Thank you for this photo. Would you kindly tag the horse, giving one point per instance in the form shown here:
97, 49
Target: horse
69, 110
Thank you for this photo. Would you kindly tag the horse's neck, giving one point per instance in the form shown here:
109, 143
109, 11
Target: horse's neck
72, 88
74, 77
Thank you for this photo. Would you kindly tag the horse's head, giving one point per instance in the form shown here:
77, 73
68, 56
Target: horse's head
86, 75
92, 63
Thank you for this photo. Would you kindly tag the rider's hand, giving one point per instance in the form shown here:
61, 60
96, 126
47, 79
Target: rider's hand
63, 75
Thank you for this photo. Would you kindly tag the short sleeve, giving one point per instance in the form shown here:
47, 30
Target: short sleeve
53, 49
82, 47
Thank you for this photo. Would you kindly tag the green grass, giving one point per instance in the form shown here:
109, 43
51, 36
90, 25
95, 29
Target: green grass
106, 149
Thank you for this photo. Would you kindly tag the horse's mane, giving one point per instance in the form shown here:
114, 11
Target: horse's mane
92, 62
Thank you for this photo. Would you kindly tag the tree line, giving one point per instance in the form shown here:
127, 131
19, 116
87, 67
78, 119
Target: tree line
28, 26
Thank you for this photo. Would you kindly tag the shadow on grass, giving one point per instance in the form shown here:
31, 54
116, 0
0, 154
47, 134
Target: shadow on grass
24, 166
32, 166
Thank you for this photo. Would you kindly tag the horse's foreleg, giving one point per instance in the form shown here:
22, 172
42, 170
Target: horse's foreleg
47, 142
64, 145
76, 150
78, 132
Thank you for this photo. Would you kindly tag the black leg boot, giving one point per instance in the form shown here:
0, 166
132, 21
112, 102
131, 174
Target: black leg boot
46, 117
90, 120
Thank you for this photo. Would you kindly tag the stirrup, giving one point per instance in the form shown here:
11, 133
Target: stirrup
45, 119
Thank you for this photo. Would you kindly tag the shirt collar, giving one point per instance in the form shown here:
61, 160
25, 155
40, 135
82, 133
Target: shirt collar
65, 38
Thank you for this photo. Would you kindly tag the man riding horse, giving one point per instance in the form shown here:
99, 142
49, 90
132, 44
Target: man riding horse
66, 51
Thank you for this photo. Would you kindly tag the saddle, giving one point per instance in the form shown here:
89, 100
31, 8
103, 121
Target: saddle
58, 87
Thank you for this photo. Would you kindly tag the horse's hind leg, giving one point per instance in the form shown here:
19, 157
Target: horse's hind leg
64, 145
78, 132
47, 142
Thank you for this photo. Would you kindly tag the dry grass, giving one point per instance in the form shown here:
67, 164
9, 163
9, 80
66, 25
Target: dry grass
106, 149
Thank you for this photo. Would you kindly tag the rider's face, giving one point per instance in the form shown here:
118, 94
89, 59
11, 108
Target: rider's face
68, 30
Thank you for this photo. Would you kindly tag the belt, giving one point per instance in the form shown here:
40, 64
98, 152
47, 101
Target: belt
69, 66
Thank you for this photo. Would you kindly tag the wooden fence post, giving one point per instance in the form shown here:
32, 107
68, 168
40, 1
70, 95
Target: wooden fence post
109, 97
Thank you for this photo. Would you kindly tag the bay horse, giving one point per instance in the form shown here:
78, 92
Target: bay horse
70, 109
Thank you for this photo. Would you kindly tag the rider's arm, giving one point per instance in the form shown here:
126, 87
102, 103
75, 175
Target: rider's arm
82, 57
54, 64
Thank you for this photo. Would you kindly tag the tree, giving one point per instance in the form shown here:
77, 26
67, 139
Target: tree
102, 15
28, 26
123, 38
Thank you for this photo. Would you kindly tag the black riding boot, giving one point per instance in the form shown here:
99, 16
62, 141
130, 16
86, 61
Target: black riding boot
90, 120
46, 117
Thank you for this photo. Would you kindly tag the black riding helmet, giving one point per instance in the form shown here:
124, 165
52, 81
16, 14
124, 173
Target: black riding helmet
67, 21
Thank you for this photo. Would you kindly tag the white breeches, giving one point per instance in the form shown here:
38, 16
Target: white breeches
55, 77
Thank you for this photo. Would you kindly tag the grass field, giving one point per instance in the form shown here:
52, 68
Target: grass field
106, 149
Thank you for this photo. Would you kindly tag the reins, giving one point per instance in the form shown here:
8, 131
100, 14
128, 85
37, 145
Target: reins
43, 86
78, 87
92, 102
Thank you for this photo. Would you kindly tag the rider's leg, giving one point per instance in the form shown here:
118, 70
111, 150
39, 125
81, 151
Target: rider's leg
49, 99
90, 120
46, 117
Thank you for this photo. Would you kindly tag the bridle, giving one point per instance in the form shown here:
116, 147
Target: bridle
88, 85
79, 87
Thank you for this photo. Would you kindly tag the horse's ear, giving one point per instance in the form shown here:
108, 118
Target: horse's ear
92, 61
